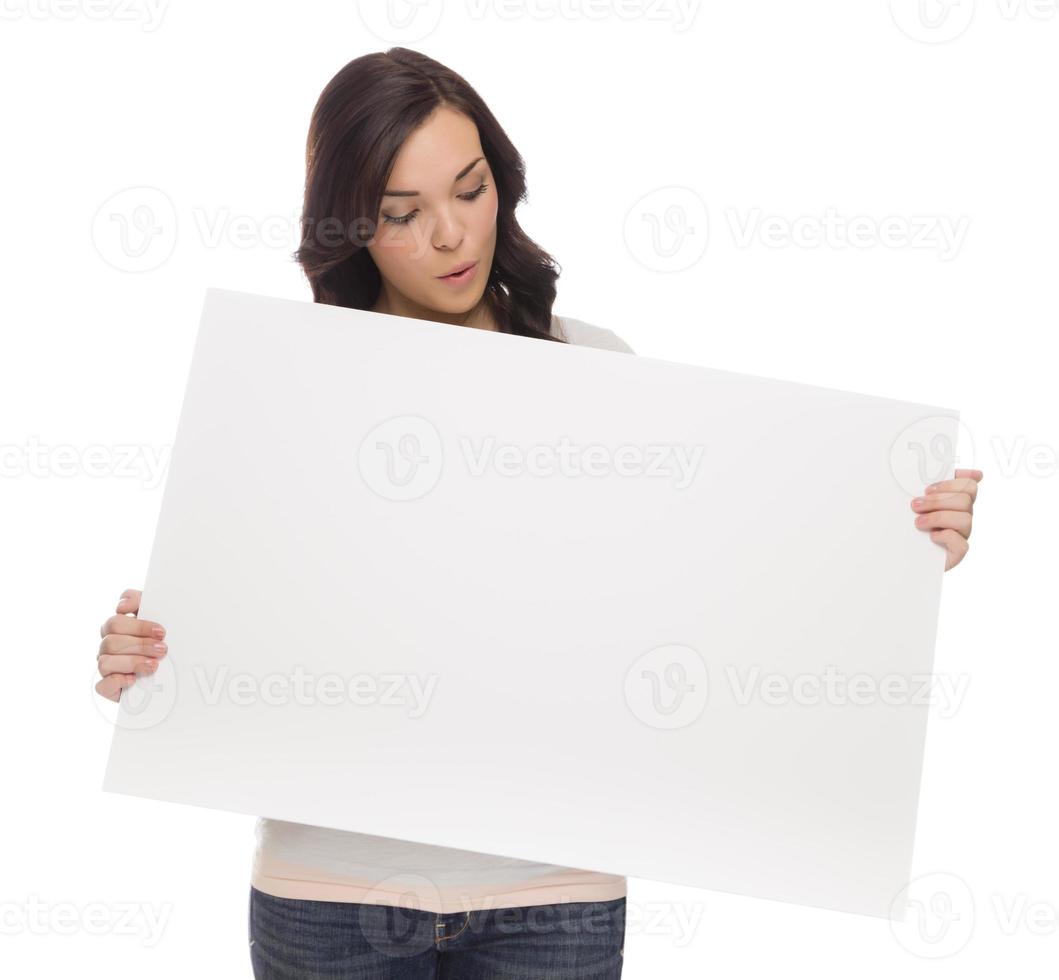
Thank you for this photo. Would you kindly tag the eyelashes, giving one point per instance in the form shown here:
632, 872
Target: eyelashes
405, 218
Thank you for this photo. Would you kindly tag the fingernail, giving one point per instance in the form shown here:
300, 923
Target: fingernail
150, 665
158, 632
917, 501
160, 648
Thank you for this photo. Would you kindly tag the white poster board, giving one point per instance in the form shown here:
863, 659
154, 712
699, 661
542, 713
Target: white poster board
543, 601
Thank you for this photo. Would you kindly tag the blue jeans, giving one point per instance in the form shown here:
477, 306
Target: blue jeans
297, 939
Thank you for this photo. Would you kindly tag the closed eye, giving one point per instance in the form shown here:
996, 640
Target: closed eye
405, 218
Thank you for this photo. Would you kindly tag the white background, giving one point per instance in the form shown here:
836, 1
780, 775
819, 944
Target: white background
917, 122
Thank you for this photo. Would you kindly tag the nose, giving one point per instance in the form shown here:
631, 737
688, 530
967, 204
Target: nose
448, 234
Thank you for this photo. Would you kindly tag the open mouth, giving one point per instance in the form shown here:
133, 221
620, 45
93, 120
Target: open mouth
463, 273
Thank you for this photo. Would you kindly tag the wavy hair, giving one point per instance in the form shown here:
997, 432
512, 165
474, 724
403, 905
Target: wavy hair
358, 125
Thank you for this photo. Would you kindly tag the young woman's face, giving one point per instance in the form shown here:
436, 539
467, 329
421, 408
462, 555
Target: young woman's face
443, 217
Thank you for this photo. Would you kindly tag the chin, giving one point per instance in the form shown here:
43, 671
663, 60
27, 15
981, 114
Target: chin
456, 304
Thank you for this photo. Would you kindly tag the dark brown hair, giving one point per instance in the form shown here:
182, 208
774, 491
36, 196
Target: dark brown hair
361, 119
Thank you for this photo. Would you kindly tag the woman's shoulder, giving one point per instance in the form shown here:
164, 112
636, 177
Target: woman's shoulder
587, 334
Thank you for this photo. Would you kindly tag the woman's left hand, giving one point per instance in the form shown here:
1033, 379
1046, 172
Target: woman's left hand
945, 512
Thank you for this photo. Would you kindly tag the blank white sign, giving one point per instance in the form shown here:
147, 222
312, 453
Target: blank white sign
544, 601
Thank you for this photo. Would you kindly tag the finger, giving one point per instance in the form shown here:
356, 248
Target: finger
956, 520
111, 663
119, 643
112, 685
975, 475
129, 601
943, 501
132, 626
955, 546
963, 485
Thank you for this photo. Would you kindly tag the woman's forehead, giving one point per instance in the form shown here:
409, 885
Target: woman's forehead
436, 152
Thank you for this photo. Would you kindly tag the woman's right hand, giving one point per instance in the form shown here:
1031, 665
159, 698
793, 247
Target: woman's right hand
131, 646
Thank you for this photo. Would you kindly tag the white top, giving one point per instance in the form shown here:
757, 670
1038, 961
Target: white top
317, 863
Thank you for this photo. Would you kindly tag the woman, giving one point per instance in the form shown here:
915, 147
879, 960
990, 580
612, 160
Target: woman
409, 210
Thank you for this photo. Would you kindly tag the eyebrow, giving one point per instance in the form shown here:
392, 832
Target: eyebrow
463, 173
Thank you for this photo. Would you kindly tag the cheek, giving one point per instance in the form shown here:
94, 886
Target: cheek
484, 223
394, 254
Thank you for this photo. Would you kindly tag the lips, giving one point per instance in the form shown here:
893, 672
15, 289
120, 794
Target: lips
457, 269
